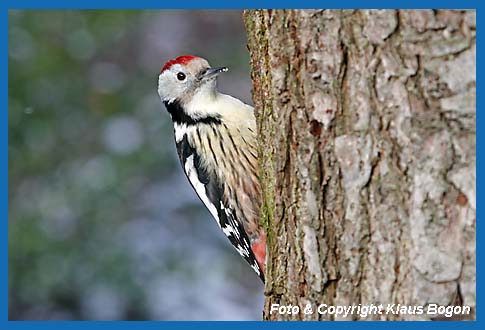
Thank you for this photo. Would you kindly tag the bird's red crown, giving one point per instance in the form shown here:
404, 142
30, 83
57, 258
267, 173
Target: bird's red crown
184, 59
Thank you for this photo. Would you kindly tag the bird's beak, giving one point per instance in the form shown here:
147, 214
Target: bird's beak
213, 72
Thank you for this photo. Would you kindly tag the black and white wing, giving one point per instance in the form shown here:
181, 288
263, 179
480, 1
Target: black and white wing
211, 193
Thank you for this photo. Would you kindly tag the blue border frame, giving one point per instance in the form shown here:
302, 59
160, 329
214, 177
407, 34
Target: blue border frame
214, 4
238, 4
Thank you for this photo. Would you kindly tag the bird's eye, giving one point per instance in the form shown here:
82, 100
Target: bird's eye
180, 76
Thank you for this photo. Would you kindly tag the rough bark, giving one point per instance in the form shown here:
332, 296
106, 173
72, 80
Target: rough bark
367, 142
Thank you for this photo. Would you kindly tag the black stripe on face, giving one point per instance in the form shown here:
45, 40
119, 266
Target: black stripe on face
179, 115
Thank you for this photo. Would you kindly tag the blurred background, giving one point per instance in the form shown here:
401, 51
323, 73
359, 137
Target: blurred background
102, 222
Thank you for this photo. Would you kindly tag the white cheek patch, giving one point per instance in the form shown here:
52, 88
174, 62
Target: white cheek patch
169, 88
163, 87
199, 186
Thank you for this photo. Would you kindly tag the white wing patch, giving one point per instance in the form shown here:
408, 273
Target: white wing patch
199, 186
180, 131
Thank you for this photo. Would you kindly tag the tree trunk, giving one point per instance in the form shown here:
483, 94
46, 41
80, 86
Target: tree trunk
367, 141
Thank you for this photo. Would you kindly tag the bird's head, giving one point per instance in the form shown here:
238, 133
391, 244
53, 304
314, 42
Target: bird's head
186, 76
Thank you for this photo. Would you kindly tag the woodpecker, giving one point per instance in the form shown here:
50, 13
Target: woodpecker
215, 138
